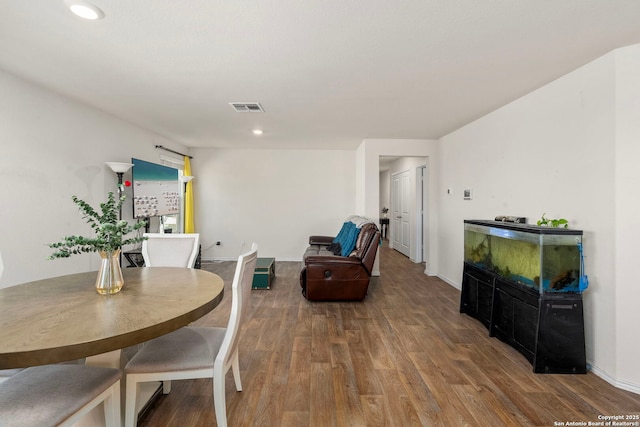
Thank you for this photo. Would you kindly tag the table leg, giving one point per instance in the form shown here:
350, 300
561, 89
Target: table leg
111, 359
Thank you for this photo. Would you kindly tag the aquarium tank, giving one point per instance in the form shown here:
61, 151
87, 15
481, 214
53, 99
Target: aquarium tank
543, 258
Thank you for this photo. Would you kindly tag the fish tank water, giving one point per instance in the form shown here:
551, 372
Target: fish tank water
543, 258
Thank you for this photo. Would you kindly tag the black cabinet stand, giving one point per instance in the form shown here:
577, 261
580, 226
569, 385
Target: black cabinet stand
548, 328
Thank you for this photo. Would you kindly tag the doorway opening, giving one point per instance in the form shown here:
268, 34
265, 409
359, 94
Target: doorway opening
404, 192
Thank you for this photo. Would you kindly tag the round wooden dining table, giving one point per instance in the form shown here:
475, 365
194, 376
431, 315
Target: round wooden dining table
64, 318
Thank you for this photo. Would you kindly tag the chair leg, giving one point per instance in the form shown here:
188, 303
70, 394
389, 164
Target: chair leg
111, 404
133, 389
219, 402
235, 368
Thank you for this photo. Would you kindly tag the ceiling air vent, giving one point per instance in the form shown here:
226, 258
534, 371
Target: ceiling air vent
247, 107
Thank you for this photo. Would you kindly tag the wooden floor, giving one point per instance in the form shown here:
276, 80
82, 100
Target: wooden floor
403, 357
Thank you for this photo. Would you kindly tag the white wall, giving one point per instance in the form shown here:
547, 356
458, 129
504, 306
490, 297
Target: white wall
277, 198
50, 149
568, 150
627, 217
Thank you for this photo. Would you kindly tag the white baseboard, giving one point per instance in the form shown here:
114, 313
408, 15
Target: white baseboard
429, 272
450, 282
623, 385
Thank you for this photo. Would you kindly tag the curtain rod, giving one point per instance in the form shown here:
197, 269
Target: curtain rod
171, 151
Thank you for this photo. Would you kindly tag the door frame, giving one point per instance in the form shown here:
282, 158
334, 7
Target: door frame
419, 209
422, 186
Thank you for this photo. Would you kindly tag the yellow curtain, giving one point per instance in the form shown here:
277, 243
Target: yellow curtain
188, 199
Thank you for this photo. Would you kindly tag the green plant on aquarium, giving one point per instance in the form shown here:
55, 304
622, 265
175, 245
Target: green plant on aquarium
480, 253
556, 223
109, 229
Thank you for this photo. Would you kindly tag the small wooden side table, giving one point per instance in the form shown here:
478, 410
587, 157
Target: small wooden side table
384, 225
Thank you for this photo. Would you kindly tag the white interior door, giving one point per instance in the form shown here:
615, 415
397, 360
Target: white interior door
401, 212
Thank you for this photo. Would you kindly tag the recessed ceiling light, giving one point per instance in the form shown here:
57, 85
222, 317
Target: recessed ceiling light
84, 9
257, 131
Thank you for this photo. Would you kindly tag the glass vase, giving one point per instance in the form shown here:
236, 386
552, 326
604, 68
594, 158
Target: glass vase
109, 279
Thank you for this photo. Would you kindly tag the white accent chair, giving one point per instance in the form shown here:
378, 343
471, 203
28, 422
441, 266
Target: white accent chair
196, 352
59, 395
5, 374
170, 250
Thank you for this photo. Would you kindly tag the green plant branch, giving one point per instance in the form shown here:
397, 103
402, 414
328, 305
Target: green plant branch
110, 230
556, 223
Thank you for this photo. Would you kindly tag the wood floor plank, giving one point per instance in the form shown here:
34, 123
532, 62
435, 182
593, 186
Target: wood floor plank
363, 366
320, 350
272, 398
397, 399
323, 408
345, 388
294, 419
454, 412
404, 356
375, 413
297, 392
503, 407
378, 351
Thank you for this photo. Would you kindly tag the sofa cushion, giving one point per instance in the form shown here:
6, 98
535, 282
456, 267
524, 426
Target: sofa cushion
316, 250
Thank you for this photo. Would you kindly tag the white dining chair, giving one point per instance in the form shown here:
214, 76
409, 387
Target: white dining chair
196, 352
59, 395
170, 250
5, 374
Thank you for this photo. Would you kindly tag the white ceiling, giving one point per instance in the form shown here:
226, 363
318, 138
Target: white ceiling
329, 73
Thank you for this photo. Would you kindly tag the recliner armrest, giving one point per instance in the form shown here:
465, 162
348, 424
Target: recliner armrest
332, 260
320, 240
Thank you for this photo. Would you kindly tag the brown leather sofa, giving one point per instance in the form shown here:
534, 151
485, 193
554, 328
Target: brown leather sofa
329, 277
